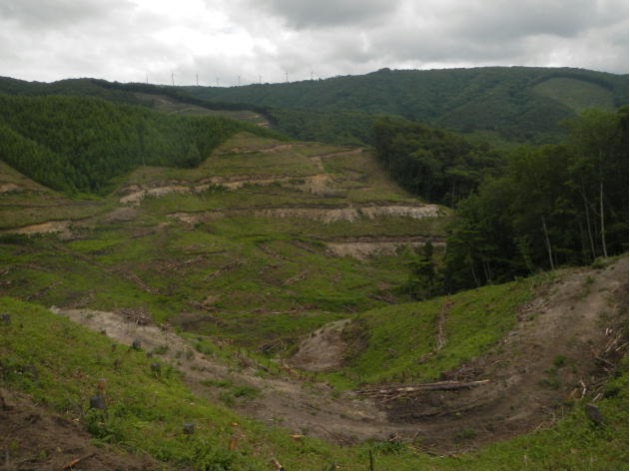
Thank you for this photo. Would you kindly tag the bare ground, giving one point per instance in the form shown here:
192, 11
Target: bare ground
564, 343
323, 214
563, 348
33, 439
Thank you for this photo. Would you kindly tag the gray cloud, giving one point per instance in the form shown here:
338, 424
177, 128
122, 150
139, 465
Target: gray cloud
50, 14
505, 19
126, 39
302, 14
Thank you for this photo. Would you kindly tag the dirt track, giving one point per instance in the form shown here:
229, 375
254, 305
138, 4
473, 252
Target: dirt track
564, 330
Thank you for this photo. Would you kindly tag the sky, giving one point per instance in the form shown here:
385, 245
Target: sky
239, 42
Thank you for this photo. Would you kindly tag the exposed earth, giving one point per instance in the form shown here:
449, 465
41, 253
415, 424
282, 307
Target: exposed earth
33, 439
565, 344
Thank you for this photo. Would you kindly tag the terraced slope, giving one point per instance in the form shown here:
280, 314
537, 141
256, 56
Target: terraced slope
303, 231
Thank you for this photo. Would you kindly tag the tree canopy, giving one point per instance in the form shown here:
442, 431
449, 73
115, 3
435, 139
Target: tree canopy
549, 206
437, 165
80, 144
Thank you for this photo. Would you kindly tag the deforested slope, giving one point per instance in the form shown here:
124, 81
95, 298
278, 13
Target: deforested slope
274, 235
185, 400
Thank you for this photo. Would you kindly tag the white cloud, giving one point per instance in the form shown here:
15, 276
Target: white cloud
126, 39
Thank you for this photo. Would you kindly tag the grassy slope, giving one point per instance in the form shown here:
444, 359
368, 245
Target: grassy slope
221, 266
102, 267
60, 363
399, 344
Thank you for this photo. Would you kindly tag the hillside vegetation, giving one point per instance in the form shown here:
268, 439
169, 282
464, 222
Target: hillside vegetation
149, 399
80, 144
189, 291
519, 211
499, 104
513, 104
260, 223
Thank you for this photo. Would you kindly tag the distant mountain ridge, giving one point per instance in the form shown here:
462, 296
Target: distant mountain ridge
506, 104
517, 103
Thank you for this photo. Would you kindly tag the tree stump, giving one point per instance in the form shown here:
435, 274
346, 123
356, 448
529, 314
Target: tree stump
156, 369
97, 402
594, 414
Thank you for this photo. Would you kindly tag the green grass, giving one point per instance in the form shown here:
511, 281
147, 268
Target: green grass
399, 343
60, 364
576, 94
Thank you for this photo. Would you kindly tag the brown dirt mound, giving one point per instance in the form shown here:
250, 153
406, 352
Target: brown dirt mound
323, 351
33, 439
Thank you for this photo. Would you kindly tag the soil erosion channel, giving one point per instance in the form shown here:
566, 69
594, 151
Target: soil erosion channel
502, 394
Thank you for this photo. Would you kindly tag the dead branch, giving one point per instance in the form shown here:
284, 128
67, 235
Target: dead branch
277, 464
446, 385
296, 278
441, 340
74, 462
390, 393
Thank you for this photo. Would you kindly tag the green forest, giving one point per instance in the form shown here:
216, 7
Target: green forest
503, 105
79, 144
519, 211
551, 205
436, 165
509, 104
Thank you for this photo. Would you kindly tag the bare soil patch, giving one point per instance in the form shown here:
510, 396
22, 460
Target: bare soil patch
10, 187
33, 439
364, 248
563, 348
323, 214
62, 228
323, 351
319, 184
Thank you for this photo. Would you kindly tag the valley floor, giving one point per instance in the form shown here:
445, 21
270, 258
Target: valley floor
559, 350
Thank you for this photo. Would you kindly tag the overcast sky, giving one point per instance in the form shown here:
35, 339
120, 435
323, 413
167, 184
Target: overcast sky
246, 41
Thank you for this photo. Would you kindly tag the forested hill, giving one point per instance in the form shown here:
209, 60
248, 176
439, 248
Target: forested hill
80, 143
516, 103
502, 104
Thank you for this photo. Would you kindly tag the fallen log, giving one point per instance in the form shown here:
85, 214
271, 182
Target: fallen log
405, 389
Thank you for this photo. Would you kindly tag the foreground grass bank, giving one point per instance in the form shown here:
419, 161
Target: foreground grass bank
60, 365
